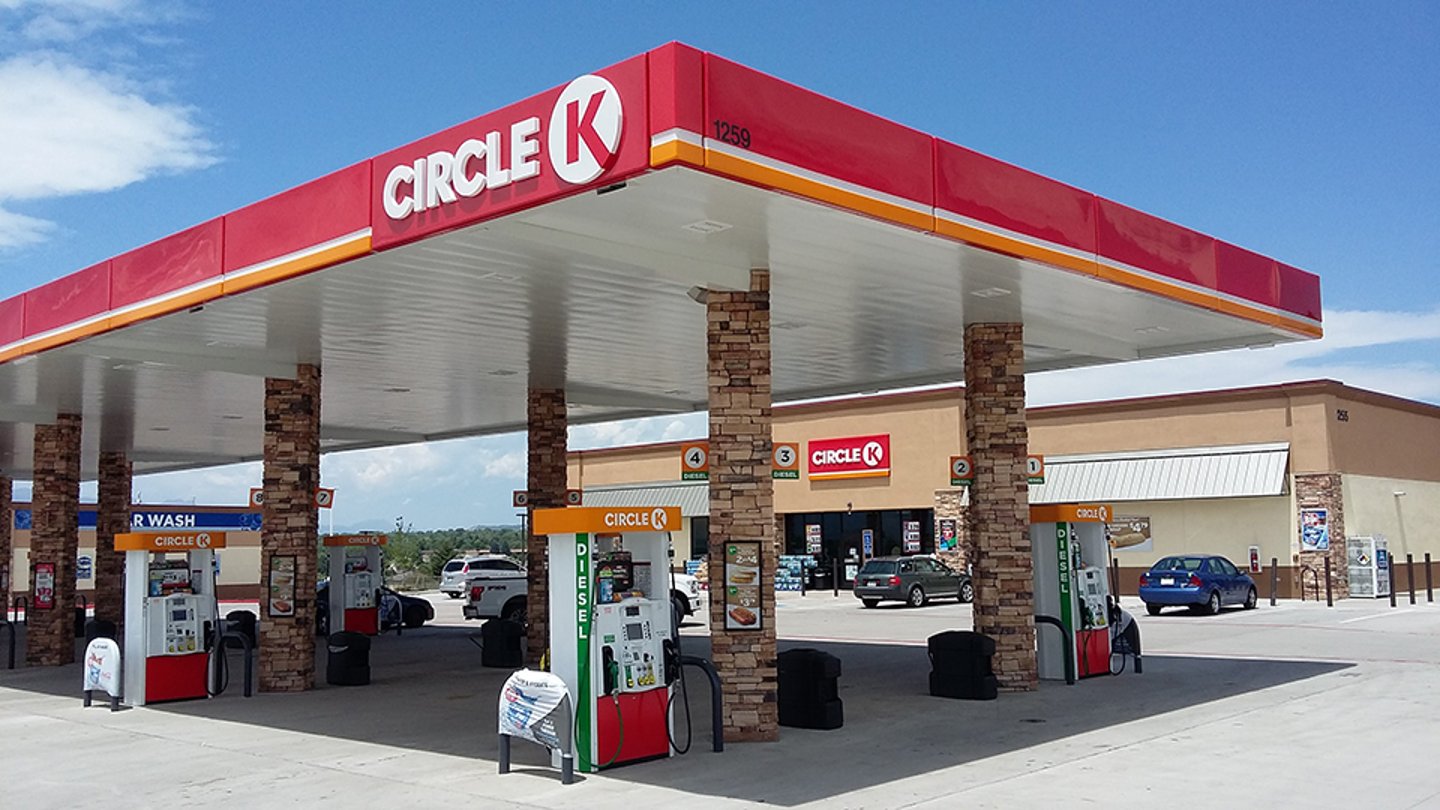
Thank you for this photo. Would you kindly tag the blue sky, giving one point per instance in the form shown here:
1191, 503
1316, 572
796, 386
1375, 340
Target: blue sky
1303, 130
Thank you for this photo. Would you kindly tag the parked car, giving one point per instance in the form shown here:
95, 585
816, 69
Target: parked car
494, 594
395, 608
1201, 582
461, 569
913, 580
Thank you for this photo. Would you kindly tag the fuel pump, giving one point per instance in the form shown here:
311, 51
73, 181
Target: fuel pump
170, 614
355, 568
611, 634
1071, 557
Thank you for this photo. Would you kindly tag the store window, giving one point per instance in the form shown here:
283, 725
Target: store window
699, 537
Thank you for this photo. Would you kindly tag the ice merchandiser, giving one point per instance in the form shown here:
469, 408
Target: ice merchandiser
610, 633
1071, 557
355, 568
1369, 565
170, 614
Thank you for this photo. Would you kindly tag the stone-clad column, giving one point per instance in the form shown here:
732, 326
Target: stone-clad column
1323, 491
742, 505
7, 547
290, 528
55, 539
999, 512
112, 518
545, 473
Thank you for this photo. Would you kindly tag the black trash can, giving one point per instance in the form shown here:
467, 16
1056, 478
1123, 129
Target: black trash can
821, 579
500, 644
80, 620
242, 622
349, 661
960, 665
809, 689
99, 628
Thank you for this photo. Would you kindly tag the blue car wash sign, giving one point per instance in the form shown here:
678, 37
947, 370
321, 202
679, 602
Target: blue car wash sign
155, 520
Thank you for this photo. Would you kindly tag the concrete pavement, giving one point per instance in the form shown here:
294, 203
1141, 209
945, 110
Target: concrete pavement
1294, 706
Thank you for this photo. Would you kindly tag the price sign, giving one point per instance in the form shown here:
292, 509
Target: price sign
962, 471
695, 461
1035, 468
785, 461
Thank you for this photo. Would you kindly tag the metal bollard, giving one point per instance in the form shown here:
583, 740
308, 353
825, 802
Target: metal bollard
1390, 564
1115, 579
1429, 586
1274, 578
1410, 575
1329, 599
835, 575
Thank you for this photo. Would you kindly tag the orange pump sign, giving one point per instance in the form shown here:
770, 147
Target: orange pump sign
169, 541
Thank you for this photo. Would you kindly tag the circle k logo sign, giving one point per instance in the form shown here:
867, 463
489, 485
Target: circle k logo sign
585, 129
657, 519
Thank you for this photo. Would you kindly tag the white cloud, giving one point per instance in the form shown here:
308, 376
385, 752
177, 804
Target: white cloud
18, 230
1363, 336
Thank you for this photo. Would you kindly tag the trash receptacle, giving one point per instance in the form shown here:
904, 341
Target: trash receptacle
960, 665
349, 661
821, 579
500, 644
80, 619
99, 628
809, 689
242, 622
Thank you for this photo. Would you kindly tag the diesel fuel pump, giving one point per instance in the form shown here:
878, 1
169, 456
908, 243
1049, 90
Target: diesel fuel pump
171, 621
611, 633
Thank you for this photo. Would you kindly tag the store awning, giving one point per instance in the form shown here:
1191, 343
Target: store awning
693, 497
1235, 471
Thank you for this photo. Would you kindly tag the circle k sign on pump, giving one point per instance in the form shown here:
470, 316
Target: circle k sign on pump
523, 155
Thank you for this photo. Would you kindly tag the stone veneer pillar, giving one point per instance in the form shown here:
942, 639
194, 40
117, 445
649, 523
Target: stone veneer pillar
112, 518
1323, 491
7, 548
999, 499
547, 433
290, 528
742, 505
55, 539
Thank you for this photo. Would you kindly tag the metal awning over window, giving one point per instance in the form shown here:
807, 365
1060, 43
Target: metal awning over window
1235, 471
693, 498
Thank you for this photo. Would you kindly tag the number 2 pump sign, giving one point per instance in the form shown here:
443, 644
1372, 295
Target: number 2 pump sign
611, 637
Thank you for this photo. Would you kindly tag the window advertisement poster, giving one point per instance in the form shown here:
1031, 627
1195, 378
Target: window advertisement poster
44, 586
742, 586
1314, 529
912, 536
948, 539
1129, 533
282, 586
812, 538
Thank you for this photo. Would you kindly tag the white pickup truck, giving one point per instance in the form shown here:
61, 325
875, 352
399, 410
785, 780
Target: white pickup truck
491, 594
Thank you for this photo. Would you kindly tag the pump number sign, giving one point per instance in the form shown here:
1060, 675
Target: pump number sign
695, 461
785, 461
962, 471
1035, 468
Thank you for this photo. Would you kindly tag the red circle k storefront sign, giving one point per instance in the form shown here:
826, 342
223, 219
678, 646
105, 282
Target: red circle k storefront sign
850, 457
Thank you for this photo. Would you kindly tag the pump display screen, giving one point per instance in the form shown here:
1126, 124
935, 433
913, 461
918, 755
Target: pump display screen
634, 632
177, 615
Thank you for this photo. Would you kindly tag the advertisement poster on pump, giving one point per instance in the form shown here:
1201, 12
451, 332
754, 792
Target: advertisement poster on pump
1129, 533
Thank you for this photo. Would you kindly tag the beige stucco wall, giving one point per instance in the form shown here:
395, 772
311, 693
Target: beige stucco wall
239, 561
1407, 521
1377, 440
1227, 526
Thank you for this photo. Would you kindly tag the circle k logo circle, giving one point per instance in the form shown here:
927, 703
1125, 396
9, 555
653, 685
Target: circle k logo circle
872, 454
657, 518
585, 127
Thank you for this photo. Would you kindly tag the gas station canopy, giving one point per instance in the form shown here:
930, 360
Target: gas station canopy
559, 242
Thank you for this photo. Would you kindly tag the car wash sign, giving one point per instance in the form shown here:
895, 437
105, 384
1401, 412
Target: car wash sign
850, 457
589, 133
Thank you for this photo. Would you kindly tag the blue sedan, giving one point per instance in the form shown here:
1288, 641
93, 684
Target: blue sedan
1203, 582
